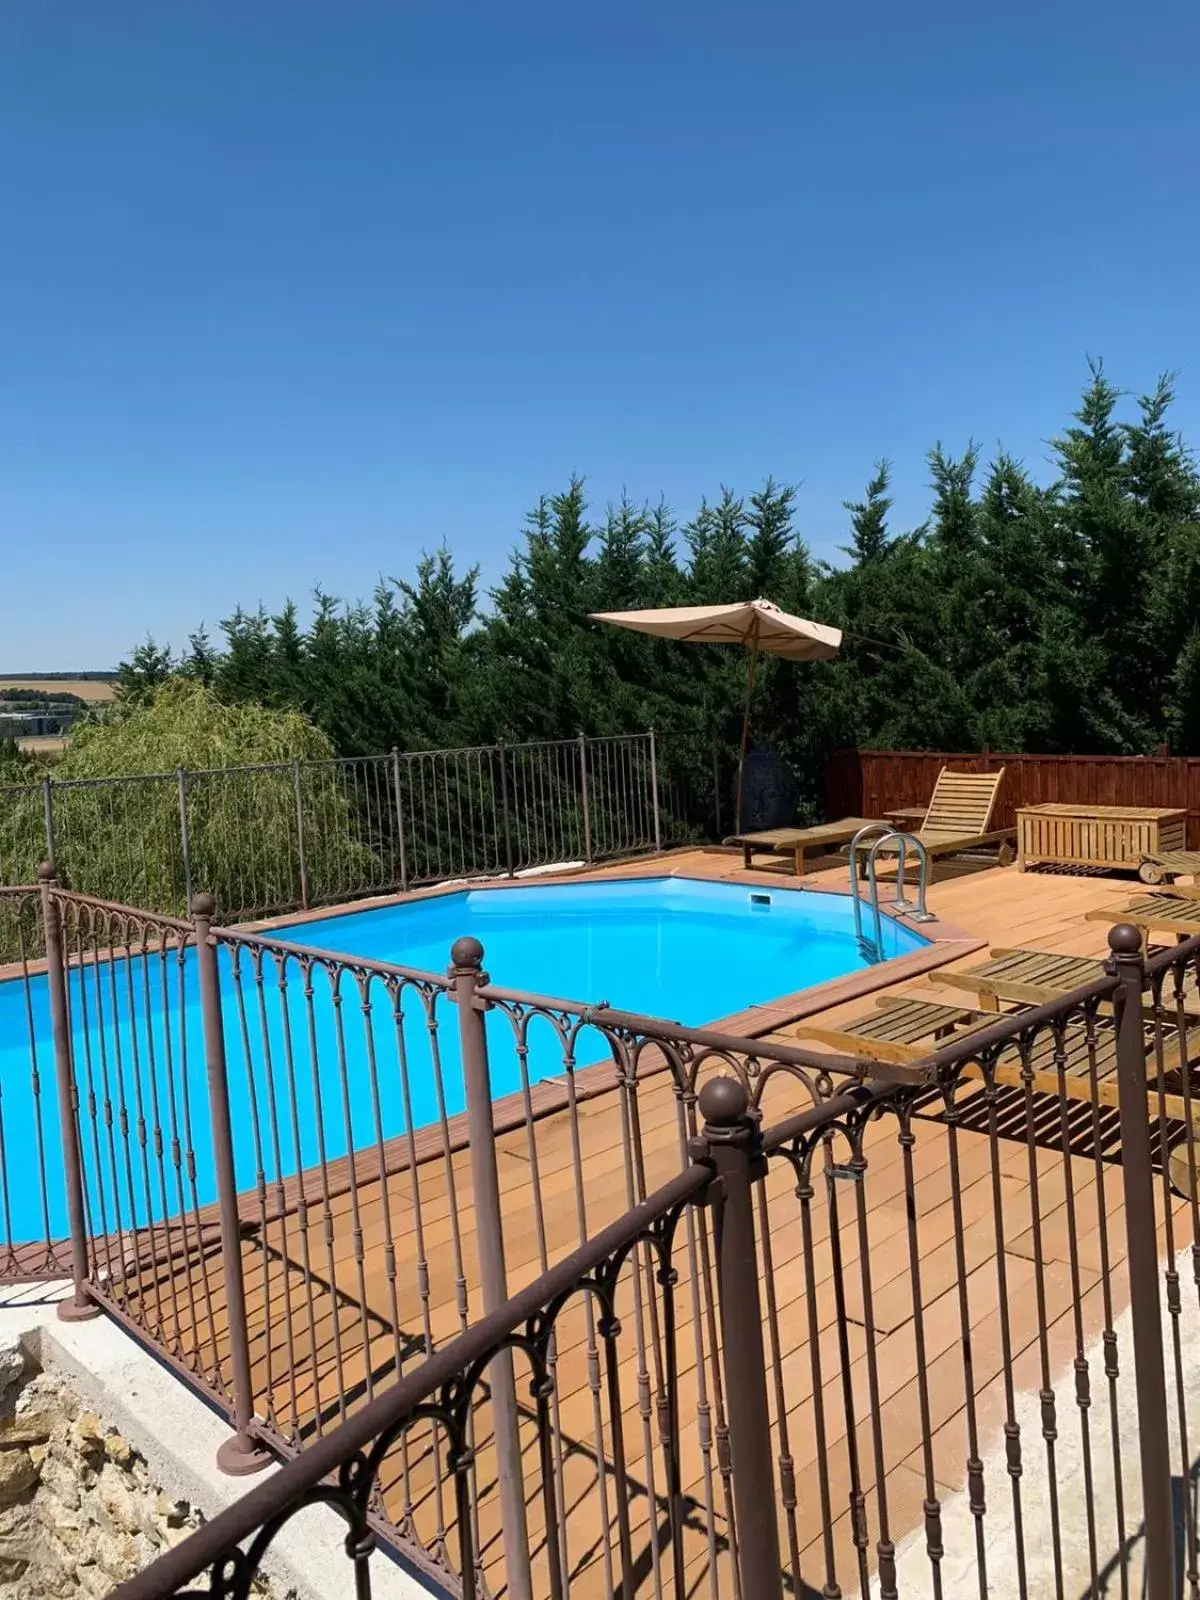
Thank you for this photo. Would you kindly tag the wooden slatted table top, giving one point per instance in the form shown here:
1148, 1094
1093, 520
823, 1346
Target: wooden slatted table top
906, 1021
1101, 813
898, 814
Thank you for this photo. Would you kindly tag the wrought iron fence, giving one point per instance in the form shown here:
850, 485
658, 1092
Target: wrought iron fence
932, 1331
451, 1398
291, 1183
269, 839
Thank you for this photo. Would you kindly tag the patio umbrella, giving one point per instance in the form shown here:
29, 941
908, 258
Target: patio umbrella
758, 625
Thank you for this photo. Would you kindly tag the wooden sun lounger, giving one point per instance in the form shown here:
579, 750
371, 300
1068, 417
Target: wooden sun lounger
1170, 911
960, 814
798, 841
1026, 977
1077, 1073
903, 1031
1036, 977
898, 1029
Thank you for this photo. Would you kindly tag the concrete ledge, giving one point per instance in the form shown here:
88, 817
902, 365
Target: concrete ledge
179, 1436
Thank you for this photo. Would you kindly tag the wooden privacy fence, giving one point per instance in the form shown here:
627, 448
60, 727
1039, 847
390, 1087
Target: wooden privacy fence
865, 783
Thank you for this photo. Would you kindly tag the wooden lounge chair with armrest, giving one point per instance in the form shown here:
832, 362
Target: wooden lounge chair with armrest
896, 1029
959, 817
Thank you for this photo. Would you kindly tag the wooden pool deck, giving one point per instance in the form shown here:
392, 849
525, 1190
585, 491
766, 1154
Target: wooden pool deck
324, 1336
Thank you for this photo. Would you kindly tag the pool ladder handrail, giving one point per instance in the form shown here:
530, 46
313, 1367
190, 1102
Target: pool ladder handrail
917, 912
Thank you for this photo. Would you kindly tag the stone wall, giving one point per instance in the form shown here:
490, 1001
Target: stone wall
79, 1509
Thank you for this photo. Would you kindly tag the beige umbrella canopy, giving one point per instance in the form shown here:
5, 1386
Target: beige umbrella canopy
759, 625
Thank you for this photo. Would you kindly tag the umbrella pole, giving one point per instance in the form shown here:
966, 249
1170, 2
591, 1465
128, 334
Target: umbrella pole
741, 783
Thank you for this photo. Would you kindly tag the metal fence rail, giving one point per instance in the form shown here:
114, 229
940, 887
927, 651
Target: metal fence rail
269, 839
946, 1308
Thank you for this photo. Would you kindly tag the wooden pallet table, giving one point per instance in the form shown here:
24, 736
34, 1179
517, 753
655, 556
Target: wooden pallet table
1097, 836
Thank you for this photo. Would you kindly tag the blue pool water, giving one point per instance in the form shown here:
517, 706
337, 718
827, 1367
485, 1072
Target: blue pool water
687, 951
670, 947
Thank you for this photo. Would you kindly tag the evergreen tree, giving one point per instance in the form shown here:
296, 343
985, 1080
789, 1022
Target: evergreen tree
1056, 616
716, 538
868, 519
771, 546
201, 659
149, 665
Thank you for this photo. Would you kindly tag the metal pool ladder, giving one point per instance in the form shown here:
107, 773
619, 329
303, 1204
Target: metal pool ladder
872, 950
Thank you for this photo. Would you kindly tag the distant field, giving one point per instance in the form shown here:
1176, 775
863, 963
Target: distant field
43, 744
92, 689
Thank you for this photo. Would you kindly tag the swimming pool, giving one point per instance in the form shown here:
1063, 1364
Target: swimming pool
677, 948
324, 1063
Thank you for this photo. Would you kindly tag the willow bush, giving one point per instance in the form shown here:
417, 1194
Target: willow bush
124, 840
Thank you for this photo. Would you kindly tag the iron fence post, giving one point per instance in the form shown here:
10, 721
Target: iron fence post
79, 1307
48, 811
298, 790
716, 769
731, 1142
184, 842
654, 792
466, 973
400, 840
583, 795
241, 1454
508, 855
1137, 1176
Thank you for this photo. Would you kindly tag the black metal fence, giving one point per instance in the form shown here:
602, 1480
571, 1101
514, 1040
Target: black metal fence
782, 1320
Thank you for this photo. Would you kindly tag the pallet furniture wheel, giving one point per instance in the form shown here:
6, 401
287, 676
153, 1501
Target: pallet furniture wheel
1169, 865
1006, 854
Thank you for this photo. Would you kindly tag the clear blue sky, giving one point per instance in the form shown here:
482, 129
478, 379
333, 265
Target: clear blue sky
291, 290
